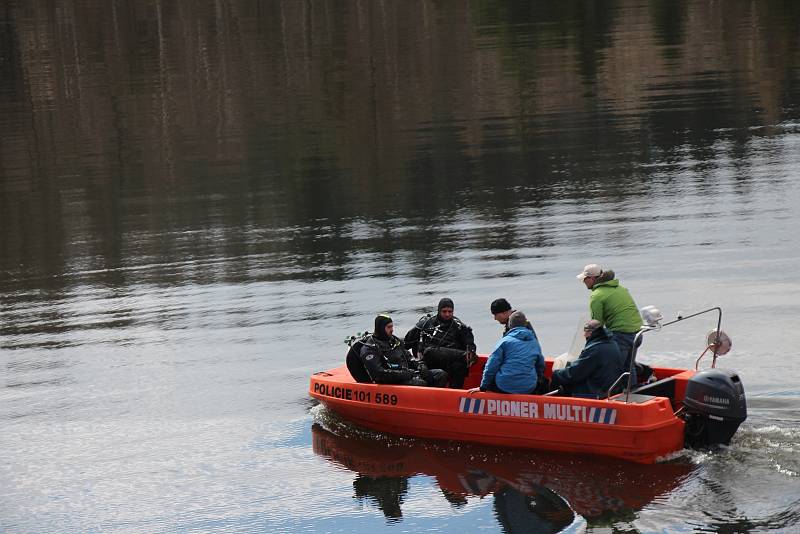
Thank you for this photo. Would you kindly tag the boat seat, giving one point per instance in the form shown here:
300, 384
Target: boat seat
660, 388
636, 398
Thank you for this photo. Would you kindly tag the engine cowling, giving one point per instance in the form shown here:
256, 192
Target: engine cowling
714, 407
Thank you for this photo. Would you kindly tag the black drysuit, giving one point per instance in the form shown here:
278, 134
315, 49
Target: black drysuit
443, 345
388, 362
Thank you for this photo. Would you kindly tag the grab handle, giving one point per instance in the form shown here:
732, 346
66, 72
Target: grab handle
622, 377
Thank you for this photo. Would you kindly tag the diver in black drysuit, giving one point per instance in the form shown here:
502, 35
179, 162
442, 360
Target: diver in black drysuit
444, 343
386, 361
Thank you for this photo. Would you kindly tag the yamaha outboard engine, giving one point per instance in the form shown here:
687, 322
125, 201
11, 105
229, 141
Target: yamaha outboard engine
714, 406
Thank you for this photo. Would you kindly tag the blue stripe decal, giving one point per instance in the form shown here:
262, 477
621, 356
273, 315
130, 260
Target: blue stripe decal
610, 416
477, 406
468, 406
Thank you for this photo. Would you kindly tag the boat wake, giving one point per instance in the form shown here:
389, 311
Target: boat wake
334, 424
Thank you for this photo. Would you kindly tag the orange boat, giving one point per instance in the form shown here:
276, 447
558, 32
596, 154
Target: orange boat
697, 408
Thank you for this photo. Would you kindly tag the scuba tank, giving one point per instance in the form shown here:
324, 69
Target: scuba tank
353, 360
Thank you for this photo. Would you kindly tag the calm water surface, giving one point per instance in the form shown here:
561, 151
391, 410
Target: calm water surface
199, 202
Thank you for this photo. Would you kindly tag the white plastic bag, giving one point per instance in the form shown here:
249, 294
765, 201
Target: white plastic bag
561, 361
578, 341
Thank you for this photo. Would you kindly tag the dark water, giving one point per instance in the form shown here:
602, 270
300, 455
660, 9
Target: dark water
199, 201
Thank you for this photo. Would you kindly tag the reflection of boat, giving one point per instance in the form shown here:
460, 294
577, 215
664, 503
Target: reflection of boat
383, 472
526, 484
700, 407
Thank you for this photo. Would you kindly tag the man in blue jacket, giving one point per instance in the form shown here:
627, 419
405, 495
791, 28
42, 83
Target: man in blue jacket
598, 366
516, 361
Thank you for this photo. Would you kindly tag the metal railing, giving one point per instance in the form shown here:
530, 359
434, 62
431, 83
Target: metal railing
648, 328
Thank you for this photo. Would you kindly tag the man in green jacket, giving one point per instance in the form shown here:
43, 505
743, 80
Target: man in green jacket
613, 306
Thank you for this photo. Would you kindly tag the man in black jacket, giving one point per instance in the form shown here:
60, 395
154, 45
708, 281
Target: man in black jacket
596, 369
444, 343
387, 361
501, 310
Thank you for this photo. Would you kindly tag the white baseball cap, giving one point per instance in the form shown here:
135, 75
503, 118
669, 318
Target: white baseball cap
590, 270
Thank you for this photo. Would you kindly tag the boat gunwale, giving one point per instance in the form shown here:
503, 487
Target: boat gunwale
340, 377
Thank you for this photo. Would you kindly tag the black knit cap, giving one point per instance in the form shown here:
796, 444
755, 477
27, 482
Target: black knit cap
446, 303
499, 306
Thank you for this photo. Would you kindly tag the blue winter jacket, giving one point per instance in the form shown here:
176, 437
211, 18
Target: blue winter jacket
515, 363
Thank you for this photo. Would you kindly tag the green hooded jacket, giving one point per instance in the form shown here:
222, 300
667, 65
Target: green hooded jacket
612, 305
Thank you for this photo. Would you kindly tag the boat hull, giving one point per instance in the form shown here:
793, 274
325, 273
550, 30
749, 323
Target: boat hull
640, 431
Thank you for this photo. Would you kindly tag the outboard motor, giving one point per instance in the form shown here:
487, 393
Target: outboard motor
714, 407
